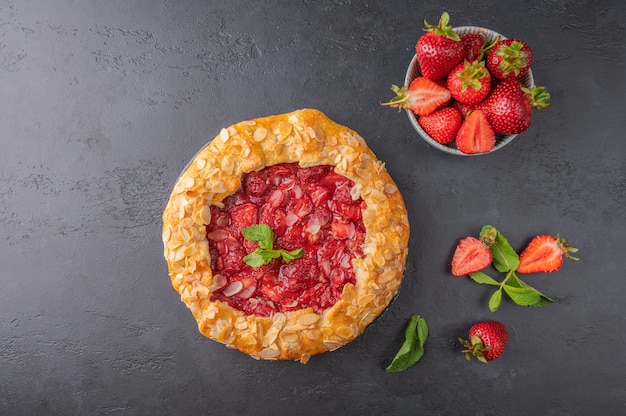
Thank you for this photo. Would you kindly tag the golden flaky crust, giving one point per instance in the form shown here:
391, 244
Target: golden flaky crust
309, 138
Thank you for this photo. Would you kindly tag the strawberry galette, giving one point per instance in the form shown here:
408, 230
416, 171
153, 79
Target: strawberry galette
285, 236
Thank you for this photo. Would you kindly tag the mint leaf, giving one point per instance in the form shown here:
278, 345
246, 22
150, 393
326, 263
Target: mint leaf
264, 236
413, 347
495, 300
523, 294
291, 255
505, 258
483, 279
261, 234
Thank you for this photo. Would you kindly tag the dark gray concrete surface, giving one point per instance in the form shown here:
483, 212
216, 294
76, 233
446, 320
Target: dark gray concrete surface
104, 102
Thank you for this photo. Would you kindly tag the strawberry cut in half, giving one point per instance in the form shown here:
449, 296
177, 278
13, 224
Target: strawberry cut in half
422, 97
544, 254
471, 255
475, 135
487, 341
442, 124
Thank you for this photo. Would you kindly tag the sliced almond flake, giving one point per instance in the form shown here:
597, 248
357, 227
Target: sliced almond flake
219, 187
245, 152
166, 235
279, 319
260, 134
247, 292
225, 333
305, 358
249, 123
233, 288
364, 173
379, 258
294, 327
390, 188
269, 353
205, 214
232, 131
189, 182
314, 334
352, 311
355, 192
219, 282
186, 235
320, 135
308, 319
333, 345
365, 299
331, 141
191, 265
289, 337
224, 135
293, 119
345, 332
241, 324
227, 165
203, 290
200, 163
270, 336
387, 276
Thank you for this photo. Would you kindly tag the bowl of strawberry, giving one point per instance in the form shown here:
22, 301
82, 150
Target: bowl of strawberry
469, 90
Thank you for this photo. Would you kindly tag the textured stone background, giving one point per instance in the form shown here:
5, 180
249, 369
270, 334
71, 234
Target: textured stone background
104, 102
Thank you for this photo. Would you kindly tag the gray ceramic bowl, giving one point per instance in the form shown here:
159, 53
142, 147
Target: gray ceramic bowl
414, 72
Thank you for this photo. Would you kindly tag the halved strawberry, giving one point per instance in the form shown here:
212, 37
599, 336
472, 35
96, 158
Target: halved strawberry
544, 254
471, 255
442, 124
422, 97
475, 134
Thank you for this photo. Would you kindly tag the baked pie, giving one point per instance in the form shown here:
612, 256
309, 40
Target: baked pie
285, 236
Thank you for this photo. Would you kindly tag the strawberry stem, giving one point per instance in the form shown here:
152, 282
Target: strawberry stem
443, 28
538, 97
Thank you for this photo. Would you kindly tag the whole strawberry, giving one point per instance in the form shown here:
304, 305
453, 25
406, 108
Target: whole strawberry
544, 254
469, 82
487, 341
509, 59
441, 124
473, 44
509, 106
439, 50
422, 97
471, 255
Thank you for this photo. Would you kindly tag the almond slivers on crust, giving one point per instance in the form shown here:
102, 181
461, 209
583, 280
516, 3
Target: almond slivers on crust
309, 138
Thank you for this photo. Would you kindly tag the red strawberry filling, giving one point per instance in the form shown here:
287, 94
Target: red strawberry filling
309, 208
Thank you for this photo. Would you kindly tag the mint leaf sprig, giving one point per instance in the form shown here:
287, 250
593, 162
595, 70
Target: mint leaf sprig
413, 347
506, 260
263, 235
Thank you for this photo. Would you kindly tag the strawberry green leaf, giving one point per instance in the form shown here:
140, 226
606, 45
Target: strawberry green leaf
494, 300
483, 279
505, 258
413, 347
